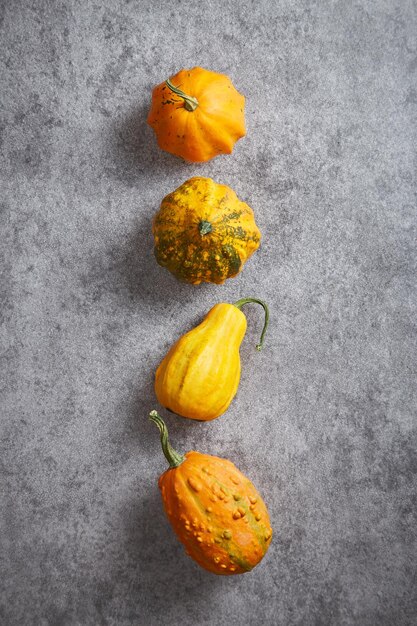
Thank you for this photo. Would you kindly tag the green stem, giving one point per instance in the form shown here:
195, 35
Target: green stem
204, 228
174, 458
243, 301
190, 103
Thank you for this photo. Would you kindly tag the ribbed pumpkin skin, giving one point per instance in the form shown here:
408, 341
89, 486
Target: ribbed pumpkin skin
212, 129
213, 256
200, 375
217, 514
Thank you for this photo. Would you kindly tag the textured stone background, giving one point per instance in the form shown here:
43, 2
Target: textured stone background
324, 421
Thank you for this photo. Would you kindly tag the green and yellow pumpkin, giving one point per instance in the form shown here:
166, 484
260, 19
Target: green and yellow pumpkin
204, 233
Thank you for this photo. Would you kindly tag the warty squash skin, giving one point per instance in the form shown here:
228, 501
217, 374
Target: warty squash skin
197, 114
215, 511
204, 233
200, 375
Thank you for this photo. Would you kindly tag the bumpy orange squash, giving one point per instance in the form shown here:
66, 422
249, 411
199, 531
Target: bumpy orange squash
215, 511
199, 376
204, 233
197, 114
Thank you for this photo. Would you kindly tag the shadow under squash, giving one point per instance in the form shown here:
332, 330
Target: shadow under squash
135, 151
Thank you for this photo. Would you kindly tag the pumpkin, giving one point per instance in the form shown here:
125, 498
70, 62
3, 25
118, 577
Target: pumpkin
199, 376
204, 233
214, 509
197, 114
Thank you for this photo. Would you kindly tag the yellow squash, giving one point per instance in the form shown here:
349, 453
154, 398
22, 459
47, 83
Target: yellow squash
200, 375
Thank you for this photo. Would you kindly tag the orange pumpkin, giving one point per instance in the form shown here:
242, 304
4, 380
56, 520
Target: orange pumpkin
197, 114
215, 511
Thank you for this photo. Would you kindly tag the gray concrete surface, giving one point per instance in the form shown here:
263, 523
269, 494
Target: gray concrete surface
324, 421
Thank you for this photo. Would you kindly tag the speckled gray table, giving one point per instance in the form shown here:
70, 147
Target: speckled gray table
325, 419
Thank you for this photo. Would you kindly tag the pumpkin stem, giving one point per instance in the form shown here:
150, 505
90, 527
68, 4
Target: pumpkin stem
243, 301
174, 458
204, 228
190, 103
